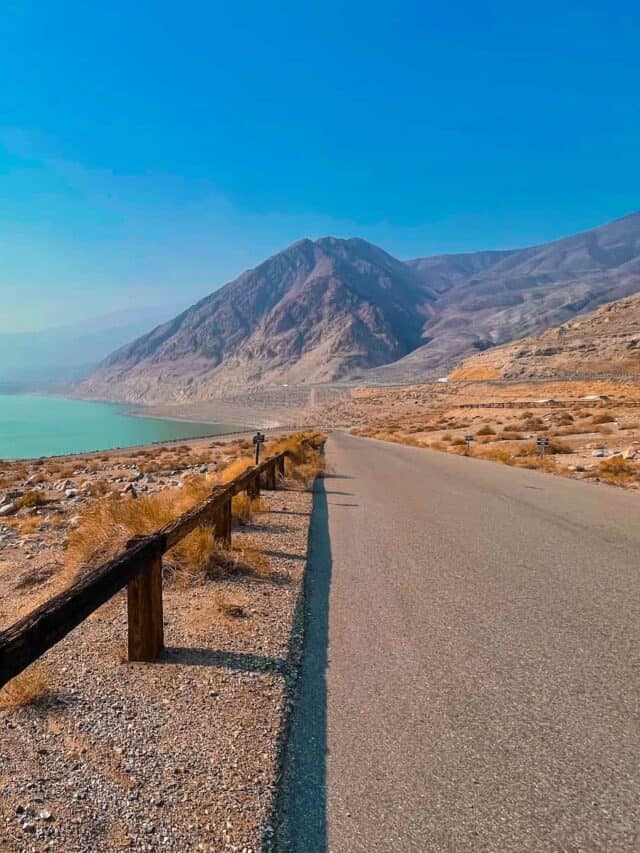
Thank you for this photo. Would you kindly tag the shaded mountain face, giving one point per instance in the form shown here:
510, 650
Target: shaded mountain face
489, 298
605, 342
332, 309
317, 311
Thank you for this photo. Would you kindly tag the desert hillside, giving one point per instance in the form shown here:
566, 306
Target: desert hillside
315, 312
334, 309
603, 343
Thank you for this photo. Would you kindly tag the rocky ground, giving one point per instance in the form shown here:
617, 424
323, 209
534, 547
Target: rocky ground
593, 426
178, 755
41, 501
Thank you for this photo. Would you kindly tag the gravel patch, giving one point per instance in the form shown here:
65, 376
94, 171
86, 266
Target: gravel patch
182, 754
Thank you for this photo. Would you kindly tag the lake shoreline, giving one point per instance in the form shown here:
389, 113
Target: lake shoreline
34, 426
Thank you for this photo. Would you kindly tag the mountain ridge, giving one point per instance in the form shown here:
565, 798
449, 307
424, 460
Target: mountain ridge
333, 308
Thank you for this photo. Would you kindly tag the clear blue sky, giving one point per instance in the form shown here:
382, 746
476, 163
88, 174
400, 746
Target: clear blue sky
150, 151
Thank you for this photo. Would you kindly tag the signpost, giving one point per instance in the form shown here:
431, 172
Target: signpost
468, 439
542, 442
258, 439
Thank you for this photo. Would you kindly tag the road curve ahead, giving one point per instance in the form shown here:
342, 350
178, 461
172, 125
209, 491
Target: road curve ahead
471, 673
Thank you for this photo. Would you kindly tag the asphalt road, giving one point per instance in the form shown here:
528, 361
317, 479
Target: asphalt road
472, 664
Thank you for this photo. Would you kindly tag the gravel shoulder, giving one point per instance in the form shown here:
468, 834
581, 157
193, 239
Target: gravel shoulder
178, 755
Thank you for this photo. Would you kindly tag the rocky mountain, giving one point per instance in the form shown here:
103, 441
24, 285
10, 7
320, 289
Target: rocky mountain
316, 312
489, 298
603, 343
332, 309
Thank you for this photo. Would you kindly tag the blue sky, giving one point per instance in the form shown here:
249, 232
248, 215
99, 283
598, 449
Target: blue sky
150, 151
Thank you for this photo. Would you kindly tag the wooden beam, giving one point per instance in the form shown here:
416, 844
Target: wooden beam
32, 636
29, 638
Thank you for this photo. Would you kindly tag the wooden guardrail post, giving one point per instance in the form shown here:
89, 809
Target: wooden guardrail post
139, 568
144, 609
253, 487
222, 528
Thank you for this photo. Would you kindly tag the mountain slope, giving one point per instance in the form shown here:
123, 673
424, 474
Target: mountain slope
603, 343
332, 308
317, 311
489, 298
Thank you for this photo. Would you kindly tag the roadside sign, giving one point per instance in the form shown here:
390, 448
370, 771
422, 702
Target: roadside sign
258, 439
468, 439
542, 441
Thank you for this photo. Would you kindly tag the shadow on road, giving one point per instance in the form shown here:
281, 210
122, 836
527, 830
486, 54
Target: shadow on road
301, 825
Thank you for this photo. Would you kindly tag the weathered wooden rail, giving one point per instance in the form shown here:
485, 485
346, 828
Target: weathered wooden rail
139, 568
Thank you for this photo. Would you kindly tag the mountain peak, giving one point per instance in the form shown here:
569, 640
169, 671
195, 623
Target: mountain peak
333, 307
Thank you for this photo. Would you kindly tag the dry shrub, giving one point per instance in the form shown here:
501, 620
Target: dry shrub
486, 430
495, 454
617, 465
508, 435
458, 441
604, 418
31, 499
29, 525
28, 688
244, 508
304, 461
564, 418
531, 424
531, 448
235, 468
107, 524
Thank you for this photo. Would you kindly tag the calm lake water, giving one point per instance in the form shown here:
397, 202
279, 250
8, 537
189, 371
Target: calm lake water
31, 425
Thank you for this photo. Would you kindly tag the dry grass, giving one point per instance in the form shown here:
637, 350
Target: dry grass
29, 525
305, 460
235, 468
617, 465
245, 508
31, 499
108, 523
28, 688
486, 430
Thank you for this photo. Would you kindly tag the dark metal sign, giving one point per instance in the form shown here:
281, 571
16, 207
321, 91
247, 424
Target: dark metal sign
542, 441
258, 439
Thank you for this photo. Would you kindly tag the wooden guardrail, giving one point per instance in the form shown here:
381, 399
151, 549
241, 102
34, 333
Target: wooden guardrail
545, 404
139, 568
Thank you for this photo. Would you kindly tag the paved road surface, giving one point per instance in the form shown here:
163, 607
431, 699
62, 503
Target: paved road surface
471, 678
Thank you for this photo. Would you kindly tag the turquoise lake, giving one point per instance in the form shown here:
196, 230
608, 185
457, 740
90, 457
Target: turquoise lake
33, 425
